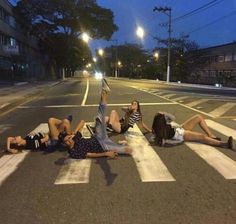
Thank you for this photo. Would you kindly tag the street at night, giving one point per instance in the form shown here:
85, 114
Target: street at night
190, 183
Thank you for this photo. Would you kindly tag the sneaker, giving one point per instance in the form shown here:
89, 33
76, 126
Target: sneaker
91, 129
69, 118
109, 128
230, 142
105, 85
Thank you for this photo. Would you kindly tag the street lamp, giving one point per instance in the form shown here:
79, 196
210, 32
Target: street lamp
101, 52
85, 37
140, 32
156, 55
167, 11
94, 59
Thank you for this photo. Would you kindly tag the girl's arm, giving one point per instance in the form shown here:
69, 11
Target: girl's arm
110, 154
145, 126
79, 126
9, 149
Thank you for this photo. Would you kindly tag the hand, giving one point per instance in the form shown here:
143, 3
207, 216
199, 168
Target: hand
112, 154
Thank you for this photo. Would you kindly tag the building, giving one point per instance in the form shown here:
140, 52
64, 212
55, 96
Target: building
219, 65
20, 58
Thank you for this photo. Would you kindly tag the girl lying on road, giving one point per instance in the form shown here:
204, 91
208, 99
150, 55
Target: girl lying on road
132, 115
166, 134
58, 129
99, 145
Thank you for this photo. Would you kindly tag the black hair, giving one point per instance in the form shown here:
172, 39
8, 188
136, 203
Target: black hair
160, 128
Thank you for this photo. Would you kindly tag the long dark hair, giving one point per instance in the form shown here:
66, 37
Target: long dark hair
139, 108
159, 128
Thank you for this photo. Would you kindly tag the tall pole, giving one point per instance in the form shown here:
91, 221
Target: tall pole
165, 10
169, 47
116, 63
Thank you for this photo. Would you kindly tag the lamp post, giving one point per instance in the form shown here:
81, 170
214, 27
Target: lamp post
167, 11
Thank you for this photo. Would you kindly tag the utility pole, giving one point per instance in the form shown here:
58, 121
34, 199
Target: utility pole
116, 57
167, 11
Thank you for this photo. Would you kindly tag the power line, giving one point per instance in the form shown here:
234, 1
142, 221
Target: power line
195, 11
213, 22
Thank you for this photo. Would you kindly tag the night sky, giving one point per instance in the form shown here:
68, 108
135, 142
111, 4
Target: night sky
210, 26
215, 25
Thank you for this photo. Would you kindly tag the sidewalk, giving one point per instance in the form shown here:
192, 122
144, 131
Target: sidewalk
13, 95
178, 84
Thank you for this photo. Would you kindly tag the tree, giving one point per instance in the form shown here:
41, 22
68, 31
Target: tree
59, 23
132, 56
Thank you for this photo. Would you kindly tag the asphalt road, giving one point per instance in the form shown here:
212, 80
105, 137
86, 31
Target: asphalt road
115, 192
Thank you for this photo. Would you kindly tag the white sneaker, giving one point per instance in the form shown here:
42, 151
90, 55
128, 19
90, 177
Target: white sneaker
105, 85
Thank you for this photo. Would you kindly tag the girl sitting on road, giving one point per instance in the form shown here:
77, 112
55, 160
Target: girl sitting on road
166, 134
132, 115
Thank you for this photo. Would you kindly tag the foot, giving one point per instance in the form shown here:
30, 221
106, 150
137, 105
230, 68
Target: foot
230, 143
69, 118
105, 85
216, 138
109, 128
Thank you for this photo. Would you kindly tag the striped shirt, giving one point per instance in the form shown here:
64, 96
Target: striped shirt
133, 118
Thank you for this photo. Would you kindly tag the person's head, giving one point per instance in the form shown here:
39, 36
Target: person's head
16, 140
159, 127
135, 106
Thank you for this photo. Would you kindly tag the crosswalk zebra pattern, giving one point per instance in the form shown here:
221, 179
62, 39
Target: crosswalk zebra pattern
149, 165
217, 112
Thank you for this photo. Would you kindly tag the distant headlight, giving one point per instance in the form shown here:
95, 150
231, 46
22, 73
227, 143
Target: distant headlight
98, 75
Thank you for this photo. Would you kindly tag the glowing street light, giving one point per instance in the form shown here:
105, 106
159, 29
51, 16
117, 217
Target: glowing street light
85, 37
156, 55
94, 59
140, 32
101, 52
119, 63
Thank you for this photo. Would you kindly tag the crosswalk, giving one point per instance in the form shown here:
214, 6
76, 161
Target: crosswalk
149, 164
196, 104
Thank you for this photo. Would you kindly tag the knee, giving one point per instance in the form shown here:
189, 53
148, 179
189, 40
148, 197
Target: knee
51, 120
199, 117
113, 112
65, 121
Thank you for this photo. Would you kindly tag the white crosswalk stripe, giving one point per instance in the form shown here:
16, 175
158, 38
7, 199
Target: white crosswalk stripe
180, 98
150, 166
169, 95
76, 171
222, 109
4, 127
9, 163
219, 161
221, 128
197, 102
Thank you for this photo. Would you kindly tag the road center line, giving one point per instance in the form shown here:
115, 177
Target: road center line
86, 94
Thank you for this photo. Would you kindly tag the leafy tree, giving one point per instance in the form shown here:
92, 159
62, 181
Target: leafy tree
59, 23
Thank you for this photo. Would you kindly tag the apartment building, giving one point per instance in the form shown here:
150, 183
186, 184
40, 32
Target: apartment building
219, 65
20, 58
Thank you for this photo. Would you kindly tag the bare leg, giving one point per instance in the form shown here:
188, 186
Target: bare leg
192, 136
197, 120
114, 121
56, 126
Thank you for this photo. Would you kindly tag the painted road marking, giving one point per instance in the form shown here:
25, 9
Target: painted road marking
4, 127
86, 93
197, 102
183, 105
76, 171
93, 105
180, 98
149, 165
42, 128
9, 163
222, 109
169, 95
219, 161
221, 128
4, 105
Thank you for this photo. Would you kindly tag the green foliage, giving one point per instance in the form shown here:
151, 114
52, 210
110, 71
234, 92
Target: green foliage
59, 23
